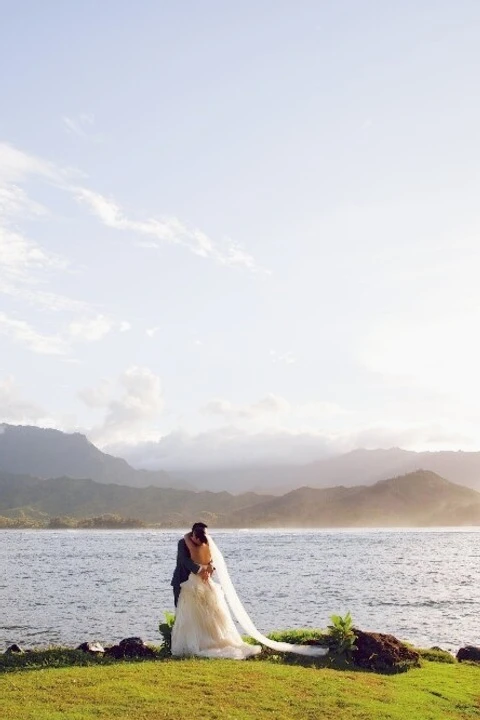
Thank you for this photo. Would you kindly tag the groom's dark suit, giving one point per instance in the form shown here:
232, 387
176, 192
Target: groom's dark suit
185, 566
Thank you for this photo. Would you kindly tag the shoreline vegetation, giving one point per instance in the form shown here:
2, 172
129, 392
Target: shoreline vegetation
341, 639
52, 683
106, 522
348, 647
110, 521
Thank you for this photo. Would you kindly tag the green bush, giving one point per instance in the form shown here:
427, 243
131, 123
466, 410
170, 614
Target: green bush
436, 655
341, 635
297, 637
52, 657
165, 629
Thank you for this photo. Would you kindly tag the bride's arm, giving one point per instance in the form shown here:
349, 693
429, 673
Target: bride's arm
189, 543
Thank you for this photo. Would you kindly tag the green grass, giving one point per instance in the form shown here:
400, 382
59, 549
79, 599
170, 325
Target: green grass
58, 657
214, 689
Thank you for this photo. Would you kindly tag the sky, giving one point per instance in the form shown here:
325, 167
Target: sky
241, 232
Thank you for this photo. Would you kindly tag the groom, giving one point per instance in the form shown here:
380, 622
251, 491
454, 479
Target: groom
185, 564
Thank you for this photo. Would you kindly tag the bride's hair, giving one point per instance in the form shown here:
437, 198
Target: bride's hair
200, 532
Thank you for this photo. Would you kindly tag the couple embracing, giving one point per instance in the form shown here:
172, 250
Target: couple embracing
204, 625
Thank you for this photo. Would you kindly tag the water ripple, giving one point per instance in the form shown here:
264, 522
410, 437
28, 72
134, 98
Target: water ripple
63, 586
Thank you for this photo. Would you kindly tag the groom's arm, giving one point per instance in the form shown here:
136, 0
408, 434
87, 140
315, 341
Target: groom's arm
185, 559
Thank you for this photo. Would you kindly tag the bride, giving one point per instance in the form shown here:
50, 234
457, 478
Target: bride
203, 623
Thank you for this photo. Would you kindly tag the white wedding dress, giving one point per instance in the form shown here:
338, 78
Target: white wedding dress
204, 626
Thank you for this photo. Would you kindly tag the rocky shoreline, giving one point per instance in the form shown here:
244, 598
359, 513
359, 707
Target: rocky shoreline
128, 647
375, 651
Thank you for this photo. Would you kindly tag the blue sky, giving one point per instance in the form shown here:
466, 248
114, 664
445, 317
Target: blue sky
241, 229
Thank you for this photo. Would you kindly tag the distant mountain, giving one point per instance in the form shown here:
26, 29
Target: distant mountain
359, 467
22, 495
50, 453
415, 500
47, 453
363, 467
275, 479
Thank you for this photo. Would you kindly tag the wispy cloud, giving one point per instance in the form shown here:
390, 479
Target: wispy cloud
91, 329
287, 358
80, 125
169, 230
23, 333
16, 165
28, 269
14, 202
25, 265
271, 404
87, 330
13, 408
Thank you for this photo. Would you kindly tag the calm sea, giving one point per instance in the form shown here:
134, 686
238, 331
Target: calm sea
64, 587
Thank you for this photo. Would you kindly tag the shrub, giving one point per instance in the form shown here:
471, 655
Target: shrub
341, 637
165, 629
436, 655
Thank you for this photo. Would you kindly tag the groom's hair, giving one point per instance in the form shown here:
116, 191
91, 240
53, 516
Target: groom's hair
199, 529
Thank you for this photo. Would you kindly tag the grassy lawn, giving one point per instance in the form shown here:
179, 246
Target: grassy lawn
211, 689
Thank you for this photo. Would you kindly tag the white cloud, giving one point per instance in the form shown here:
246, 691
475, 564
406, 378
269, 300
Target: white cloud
82, 331
79, 126
25, 266
129, 417
168, 230
23, 333
99, 396
269, 405
19, 257
232, 447
224, 447
151, 332
91, 329
288, 358
106, 210
14, 202
13, 409
28, 270
16, 165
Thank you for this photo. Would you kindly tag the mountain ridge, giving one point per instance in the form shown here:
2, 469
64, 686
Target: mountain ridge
357, 467
47, 453
422, 499
414, 500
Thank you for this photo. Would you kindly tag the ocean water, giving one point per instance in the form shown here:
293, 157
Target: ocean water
68, 586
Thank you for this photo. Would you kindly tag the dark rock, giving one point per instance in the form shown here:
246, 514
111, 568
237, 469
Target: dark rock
115, 651
131, 648
94, 648
132, 641
14, 649
383, 652
469, 652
